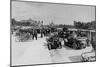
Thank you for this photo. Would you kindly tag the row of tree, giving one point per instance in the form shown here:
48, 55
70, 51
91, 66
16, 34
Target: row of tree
77, 24
29, 22
88, 25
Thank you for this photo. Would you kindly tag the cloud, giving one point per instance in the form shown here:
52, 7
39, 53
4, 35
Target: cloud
58, 13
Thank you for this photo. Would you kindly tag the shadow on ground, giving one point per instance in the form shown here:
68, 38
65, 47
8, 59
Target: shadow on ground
67, 48
76, 58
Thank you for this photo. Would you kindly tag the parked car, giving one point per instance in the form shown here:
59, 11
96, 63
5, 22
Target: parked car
53, 42
83, 40
88, 56
73, 43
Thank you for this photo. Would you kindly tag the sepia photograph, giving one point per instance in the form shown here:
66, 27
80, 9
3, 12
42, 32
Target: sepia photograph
52, 33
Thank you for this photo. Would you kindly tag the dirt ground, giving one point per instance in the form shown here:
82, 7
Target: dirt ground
36, 52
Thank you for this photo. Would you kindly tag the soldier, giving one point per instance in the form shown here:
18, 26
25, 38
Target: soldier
41, 33
35, 34
44, 32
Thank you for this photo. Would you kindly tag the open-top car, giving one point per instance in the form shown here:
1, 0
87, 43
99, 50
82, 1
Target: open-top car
88, 56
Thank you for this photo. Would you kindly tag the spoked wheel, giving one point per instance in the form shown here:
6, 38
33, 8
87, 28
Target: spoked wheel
49, 46
75, 46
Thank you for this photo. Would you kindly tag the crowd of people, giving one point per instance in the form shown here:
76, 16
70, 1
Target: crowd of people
26, 34
55, 37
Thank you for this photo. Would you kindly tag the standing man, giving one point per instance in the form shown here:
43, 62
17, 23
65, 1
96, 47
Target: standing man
41, 33
74, 35
35, 34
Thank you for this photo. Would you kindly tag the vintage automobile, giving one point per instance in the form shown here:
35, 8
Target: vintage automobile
53, 43
75, 43
88, 56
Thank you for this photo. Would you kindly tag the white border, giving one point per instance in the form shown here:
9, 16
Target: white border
5, 33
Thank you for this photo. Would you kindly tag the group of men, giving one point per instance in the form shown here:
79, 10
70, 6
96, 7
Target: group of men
29, 32
44, 32
34, 32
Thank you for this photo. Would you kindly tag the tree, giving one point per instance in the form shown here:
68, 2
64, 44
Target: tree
13, 22
88, 25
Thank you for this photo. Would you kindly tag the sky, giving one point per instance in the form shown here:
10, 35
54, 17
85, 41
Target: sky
49, 12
